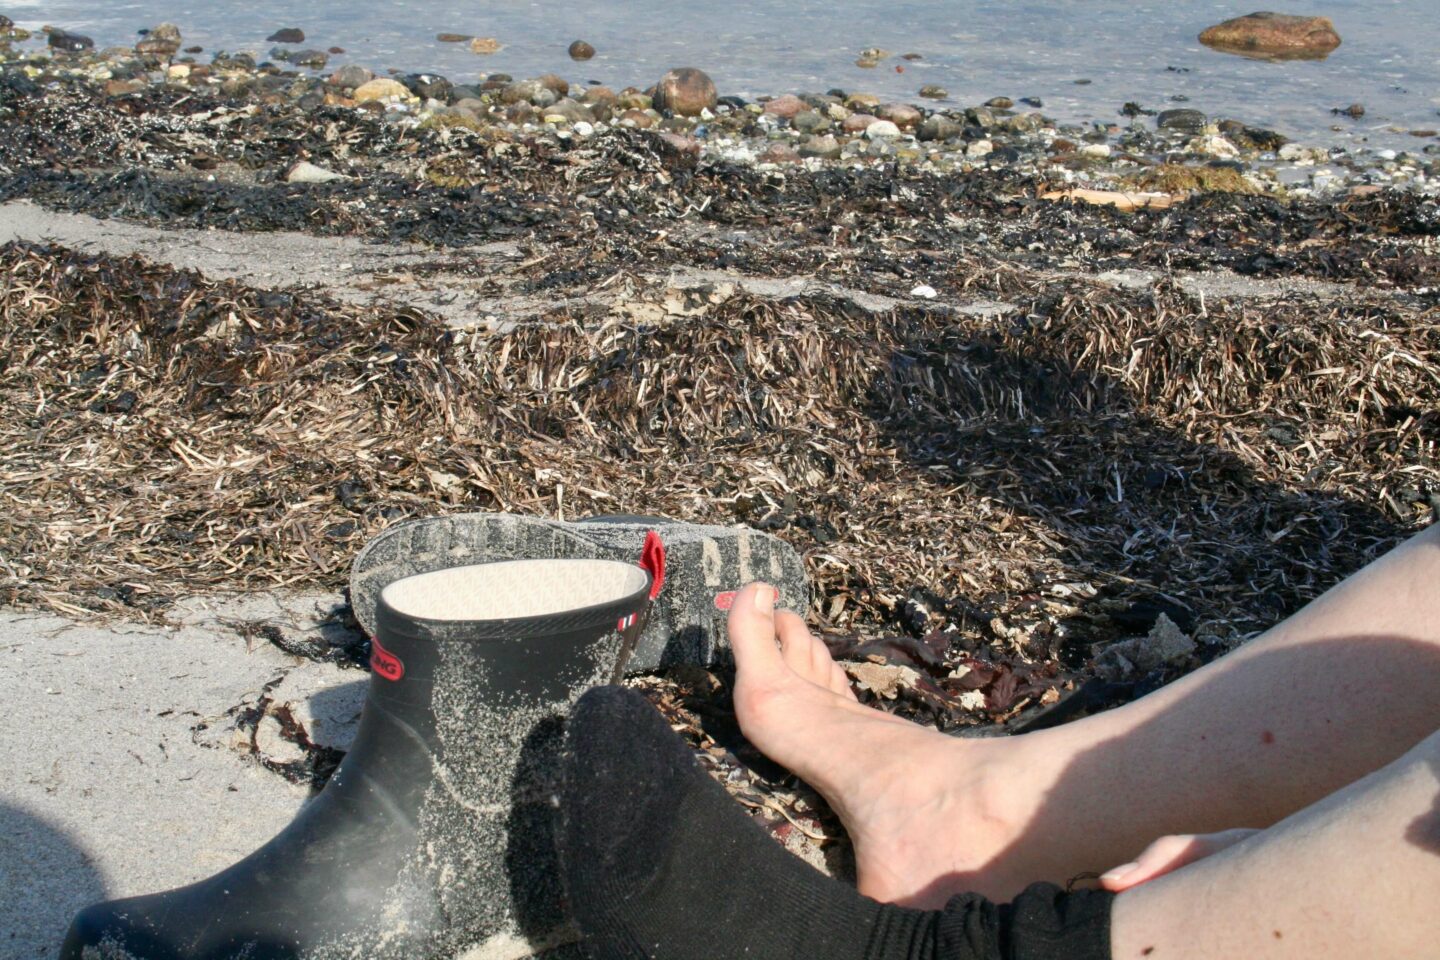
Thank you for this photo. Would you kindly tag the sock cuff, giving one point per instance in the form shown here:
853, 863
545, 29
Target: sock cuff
1046, 922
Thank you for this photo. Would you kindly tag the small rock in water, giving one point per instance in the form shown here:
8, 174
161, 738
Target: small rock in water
287, 35
6, 24
157, 47
72, 42
580, 50
1182, 119
999, 103
1355, 110
874, 53
486, 45
452, 37
911, 56
1035, 102
1275, 34
865, 63
933, 91
685, 91
315, 59
165, 31
306, 172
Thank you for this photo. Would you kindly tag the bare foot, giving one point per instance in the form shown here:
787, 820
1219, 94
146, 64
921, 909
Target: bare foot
930, 815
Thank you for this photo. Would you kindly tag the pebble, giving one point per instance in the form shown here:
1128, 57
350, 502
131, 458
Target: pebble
680, 145
685, 91
351, 75
555, 83
788, 106
121, 88
485, 45
380, 90
6, 24
287, 35
580, 50
157, 47
780, 153
306, 172
1182, 119
1214, 147
637, 118
857, 122
901, 114
427, 86
1095, 150
999, 103
979, 148
822, 146
924, 291
1355, 110
934, 92
452, 37
583, 128
71, 42
882, 130
315, 59
809, 122
939, 128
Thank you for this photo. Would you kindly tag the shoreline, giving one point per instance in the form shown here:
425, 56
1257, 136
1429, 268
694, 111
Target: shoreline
1152, 156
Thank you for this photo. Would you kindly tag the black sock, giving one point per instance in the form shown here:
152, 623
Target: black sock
660, 863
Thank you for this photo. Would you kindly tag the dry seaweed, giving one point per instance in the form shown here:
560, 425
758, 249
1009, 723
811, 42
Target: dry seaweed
1038, 478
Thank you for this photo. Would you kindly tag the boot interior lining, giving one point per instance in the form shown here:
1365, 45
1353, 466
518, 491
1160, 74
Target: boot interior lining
513, 589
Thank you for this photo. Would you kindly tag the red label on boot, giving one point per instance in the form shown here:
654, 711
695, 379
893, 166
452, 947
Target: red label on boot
385, 663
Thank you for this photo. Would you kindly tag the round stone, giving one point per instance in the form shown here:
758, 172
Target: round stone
580, 50
686, 91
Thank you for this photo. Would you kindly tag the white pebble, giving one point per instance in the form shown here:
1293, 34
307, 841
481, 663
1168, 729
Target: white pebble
924, 291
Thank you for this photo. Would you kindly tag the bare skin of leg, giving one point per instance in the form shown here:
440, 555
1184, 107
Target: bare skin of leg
1342, 687
1355, 875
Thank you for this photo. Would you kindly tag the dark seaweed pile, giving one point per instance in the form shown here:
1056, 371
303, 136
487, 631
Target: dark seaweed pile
190, 158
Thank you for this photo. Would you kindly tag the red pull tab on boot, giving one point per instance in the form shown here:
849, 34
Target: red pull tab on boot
652, 558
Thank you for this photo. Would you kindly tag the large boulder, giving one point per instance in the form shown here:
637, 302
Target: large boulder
1273, 35
686, 92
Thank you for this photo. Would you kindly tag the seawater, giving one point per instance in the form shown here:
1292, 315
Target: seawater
975, 49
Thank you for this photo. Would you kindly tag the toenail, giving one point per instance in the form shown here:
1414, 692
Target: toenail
765, 599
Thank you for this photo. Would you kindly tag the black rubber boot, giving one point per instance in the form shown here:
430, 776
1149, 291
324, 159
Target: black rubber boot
433, 836
705, 566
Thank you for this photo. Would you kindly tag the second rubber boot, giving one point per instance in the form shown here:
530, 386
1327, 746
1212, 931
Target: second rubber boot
431, 838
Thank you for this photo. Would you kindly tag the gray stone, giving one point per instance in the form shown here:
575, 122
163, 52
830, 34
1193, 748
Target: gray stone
1183, 120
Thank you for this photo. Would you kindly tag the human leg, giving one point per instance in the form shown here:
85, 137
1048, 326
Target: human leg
1340, 688
1355, 875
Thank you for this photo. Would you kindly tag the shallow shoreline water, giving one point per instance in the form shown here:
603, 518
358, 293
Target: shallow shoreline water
983, 48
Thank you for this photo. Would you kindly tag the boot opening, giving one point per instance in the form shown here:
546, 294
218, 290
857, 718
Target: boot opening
514, 589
